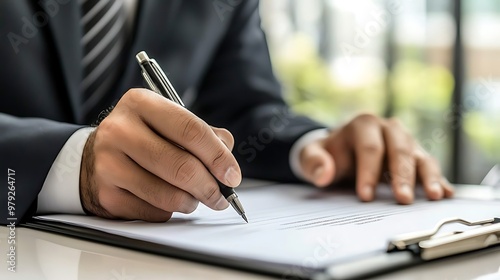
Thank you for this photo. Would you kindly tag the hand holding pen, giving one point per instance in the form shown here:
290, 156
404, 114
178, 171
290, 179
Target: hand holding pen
134, 168
159, 83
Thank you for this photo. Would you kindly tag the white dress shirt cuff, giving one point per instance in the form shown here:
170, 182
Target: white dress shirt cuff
61, 190
297, 147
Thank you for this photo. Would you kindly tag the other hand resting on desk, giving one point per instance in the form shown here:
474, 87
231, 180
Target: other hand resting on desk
368, 149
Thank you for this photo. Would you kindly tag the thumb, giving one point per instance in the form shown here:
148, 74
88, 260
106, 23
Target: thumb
318, 166
225, 136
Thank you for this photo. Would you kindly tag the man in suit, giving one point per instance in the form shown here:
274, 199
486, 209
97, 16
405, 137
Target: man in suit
66, 61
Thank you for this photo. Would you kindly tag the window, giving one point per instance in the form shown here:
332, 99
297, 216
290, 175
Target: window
337, 59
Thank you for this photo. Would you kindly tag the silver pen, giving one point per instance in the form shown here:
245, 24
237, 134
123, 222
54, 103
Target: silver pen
159, 83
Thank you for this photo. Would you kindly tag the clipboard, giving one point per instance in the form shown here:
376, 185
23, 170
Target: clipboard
402, 251
419, 247
391, 253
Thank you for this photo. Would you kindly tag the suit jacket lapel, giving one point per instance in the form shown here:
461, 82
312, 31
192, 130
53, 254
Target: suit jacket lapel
66, 32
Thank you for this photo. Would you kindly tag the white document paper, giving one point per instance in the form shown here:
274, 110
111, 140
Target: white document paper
294, 225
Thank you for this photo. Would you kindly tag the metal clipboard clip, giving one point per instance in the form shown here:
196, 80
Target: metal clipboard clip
429, 245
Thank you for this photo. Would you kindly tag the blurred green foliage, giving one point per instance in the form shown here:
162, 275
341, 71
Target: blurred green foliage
421, 95
484, 130
311, 89
422, 98
420, 86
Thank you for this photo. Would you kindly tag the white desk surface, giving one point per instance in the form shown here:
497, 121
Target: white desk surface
42, 255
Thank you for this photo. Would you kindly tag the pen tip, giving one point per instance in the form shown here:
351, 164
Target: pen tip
244, 218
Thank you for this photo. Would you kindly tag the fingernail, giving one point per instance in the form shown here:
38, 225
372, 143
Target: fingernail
367, 193
232, 177
221, 203
406, 191
437, 189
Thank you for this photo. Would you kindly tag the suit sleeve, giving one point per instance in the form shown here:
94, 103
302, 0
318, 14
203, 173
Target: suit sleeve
241, 93
28, 146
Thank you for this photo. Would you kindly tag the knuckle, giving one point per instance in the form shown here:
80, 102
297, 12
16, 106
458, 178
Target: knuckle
106, 126
211, 194
157, 151
152, 194
194, 130
397, 126
133, 98
429, 160
128, 94
184, 169
220, 157
420, 152
367, 119
401, 152
394, 122
372, 149
111, 128
181, 202
403, 164
128, 97
132, 95
175, 201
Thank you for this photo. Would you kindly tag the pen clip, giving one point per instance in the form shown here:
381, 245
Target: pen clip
167, 86
156, 79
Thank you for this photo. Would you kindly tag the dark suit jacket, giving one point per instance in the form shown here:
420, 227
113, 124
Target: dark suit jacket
214, 50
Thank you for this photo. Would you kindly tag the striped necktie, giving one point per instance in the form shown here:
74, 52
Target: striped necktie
104, 37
